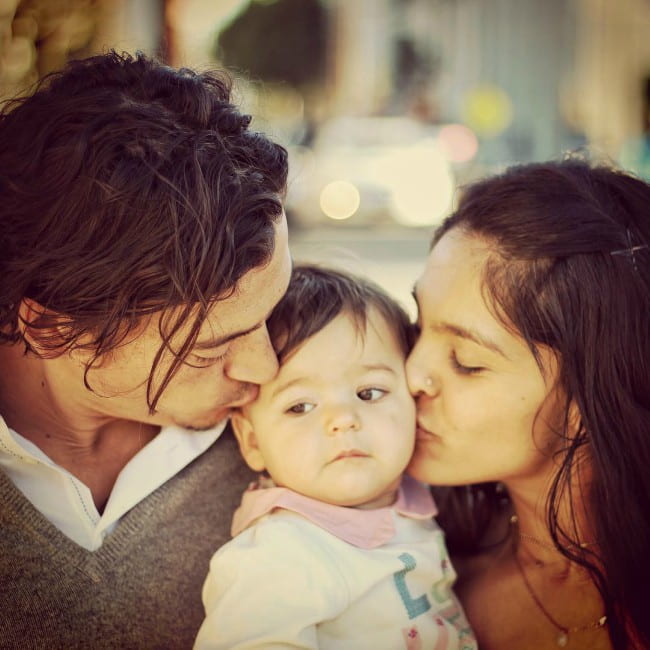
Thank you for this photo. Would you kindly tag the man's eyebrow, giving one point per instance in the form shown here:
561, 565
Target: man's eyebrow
220, 340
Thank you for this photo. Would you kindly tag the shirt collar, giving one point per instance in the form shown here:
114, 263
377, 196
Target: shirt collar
361, 528
11, 447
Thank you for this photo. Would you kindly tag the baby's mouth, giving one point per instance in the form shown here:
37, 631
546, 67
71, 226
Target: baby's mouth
351, 453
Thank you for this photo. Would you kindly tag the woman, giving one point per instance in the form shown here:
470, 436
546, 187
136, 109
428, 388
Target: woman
532, 378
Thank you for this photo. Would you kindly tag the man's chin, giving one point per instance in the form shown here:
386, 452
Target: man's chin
205, 423
212, 419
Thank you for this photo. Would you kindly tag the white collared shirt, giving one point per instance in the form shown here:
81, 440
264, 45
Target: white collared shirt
68, 503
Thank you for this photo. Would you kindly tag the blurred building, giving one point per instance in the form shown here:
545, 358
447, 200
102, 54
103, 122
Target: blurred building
530, 78
416, 97
533, 78
612, 69
39, 36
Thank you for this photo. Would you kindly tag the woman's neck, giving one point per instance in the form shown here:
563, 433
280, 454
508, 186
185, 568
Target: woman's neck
530, 519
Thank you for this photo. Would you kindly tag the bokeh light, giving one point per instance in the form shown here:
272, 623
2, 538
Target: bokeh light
459, 142
487, 110
420, 181
339, 200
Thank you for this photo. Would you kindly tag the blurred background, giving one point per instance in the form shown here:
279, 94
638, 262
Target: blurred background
387, 107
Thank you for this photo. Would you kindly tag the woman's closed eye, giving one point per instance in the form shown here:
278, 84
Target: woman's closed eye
461, 368
371, 394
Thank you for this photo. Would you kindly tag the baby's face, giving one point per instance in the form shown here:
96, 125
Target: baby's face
337, 423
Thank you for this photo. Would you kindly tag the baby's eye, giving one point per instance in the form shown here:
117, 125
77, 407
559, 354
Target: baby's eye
371, 394
301, 408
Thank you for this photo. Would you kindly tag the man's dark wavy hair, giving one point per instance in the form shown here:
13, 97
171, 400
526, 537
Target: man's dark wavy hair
570, 270
129, 188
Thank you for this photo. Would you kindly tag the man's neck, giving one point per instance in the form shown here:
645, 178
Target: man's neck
35, 402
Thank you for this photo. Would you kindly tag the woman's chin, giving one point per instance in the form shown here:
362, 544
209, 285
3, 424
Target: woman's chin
436, 471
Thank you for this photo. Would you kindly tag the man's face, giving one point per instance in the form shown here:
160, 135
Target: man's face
231, 357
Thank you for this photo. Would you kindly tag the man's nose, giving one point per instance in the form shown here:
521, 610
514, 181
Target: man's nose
255, 361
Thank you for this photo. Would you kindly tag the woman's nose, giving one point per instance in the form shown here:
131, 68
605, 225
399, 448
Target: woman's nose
421, 379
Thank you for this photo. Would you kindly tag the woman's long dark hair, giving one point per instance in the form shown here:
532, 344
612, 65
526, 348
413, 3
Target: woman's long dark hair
571, 271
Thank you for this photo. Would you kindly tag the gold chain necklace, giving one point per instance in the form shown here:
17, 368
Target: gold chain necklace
562, 638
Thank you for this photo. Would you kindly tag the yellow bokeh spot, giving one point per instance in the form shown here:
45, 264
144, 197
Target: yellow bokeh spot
487, 110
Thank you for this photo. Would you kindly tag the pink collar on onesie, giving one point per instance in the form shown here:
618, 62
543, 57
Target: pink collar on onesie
361, 528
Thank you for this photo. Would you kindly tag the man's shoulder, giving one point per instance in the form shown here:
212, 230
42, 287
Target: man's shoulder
219, 474
222, 456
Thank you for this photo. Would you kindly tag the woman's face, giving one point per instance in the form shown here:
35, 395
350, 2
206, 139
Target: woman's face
485, 410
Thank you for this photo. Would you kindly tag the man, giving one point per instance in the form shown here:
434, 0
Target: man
143, 245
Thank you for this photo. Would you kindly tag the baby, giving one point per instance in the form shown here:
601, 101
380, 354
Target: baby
337, 549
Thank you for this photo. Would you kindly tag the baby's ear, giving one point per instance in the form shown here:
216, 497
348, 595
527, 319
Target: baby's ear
247, 440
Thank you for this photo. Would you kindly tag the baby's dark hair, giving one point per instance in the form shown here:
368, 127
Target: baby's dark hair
317, 295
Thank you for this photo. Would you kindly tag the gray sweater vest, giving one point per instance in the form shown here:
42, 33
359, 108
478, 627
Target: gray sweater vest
142, 587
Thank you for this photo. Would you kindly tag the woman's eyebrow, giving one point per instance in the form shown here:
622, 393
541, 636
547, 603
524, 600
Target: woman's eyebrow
468, 334
463, 332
